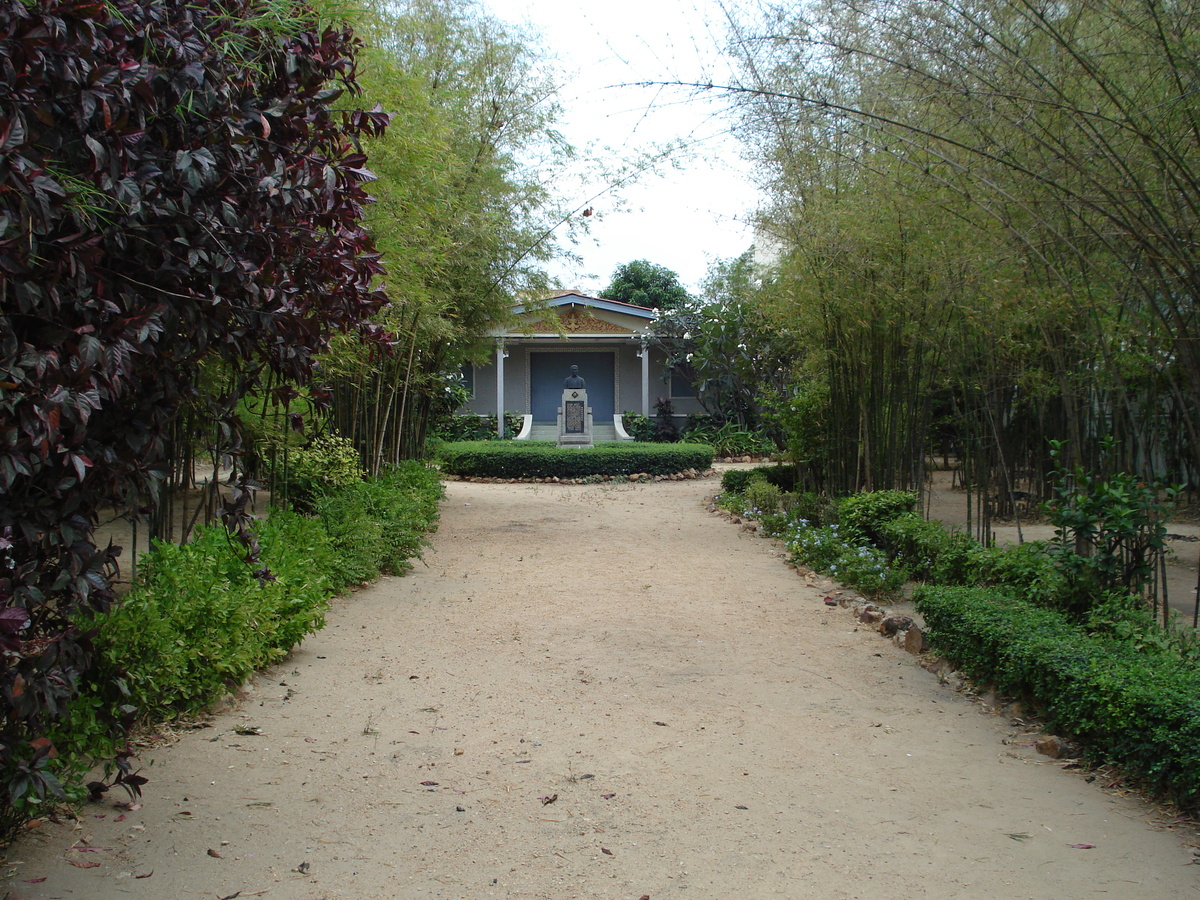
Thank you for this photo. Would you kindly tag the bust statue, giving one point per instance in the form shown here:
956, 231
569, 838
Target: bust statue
573, 380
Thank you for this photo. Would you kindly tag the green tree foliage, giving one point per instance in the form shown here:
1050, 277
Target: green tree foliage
720, 345
643, 283
175, 188
984, 213
463, 216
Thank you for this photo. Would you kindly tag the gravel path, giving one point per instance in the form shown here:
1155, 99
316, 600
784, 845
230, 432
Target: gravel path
604, 692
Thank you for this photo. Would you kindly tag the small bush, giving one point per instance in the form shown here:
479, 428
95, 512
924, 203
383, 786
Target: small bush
378, 526
470, 427
665, 429
1026, 568
637, 426
735, 480
200, 618
762, 498
928, 552
865, 514
542, 459
329, 462
729, 439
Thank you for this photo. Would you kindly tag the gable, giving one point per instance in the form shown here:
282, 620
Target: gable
576, 321
580, 314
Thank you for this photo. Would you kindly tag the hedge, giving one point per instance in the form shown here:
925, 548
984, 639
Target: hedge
1137, 708
543, 459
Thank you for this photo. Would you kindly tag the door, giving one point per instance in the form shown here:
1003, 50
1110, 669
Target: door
547, 371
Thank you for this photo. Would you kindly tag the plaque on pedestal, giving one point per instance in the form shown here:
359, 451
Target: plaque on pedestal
574, 419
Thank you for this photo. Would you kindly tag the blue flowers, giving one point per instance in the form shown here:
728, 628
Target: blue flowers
863, 568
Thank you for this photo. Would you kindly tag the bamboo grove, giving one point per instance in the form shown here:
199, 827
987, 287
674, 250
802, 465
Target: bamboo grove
983, 218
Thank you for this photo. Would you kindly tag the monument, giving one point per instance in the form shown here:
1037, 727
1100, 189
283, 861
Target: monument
574, 415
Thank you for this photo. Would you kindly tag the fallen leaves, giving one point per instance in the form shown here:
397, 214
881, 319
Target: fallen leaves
214, 854
84, 863
1082, 846
548, 799
606, 851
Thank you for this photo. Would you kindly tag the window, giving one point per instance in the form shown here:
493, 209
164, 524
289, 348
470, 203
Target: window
681, 385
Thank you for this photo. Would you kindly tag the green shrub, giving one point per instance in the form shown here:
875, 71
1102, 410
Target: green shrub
378, 526
1121, 520
329, 462
729, 439
542, 459
471, 427
928, 552
865, 514
735, 480
812, 508
867, 570
762, 498
1026, 568
200, 619
637, 426
1137, 707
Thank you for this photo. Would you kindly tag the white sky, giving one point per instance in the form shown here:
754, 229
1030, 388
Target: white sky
685, 216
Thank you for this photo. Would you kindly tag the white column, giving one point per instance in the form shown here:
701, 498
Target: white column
644, 353
501, 355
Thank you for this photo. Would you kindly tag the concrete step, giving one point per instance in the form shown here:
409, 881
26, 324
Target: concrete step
550, 432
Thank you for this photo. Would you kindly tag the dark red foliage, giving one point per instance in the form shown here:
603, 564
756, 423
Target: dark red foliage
173, 185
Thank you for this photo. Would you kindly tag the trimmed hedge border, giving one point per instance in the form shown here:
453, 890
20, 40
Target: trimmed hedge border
1137, 709
543, 459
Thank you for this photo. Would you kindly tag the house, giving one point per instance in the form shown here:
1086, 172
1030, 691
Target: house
604, 338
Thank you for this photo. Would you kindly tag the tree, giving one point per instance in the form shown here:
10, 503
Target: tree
176, 189
464, 219
721, 345
1040, 167
643, 283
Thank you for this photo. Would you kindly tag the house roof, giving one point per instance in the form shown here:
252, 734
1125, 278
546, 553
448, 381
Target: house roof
572, 299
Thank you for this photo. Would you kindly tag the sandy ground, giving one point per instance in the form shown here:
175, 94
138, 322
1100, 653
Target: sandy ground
604, 692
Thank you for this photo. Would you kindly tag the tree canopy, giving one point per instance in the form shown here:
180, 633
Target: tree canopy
644, 283
464, 218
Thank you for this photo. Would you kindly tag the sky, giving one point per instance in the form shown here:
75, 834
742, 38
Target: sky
684, 215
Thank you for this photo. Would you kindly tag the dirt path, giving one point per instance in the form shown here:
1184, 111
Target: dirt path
704, 725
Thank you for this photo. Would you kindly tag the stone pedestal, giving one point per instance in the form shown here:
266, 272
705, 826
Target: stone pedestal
574, 419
